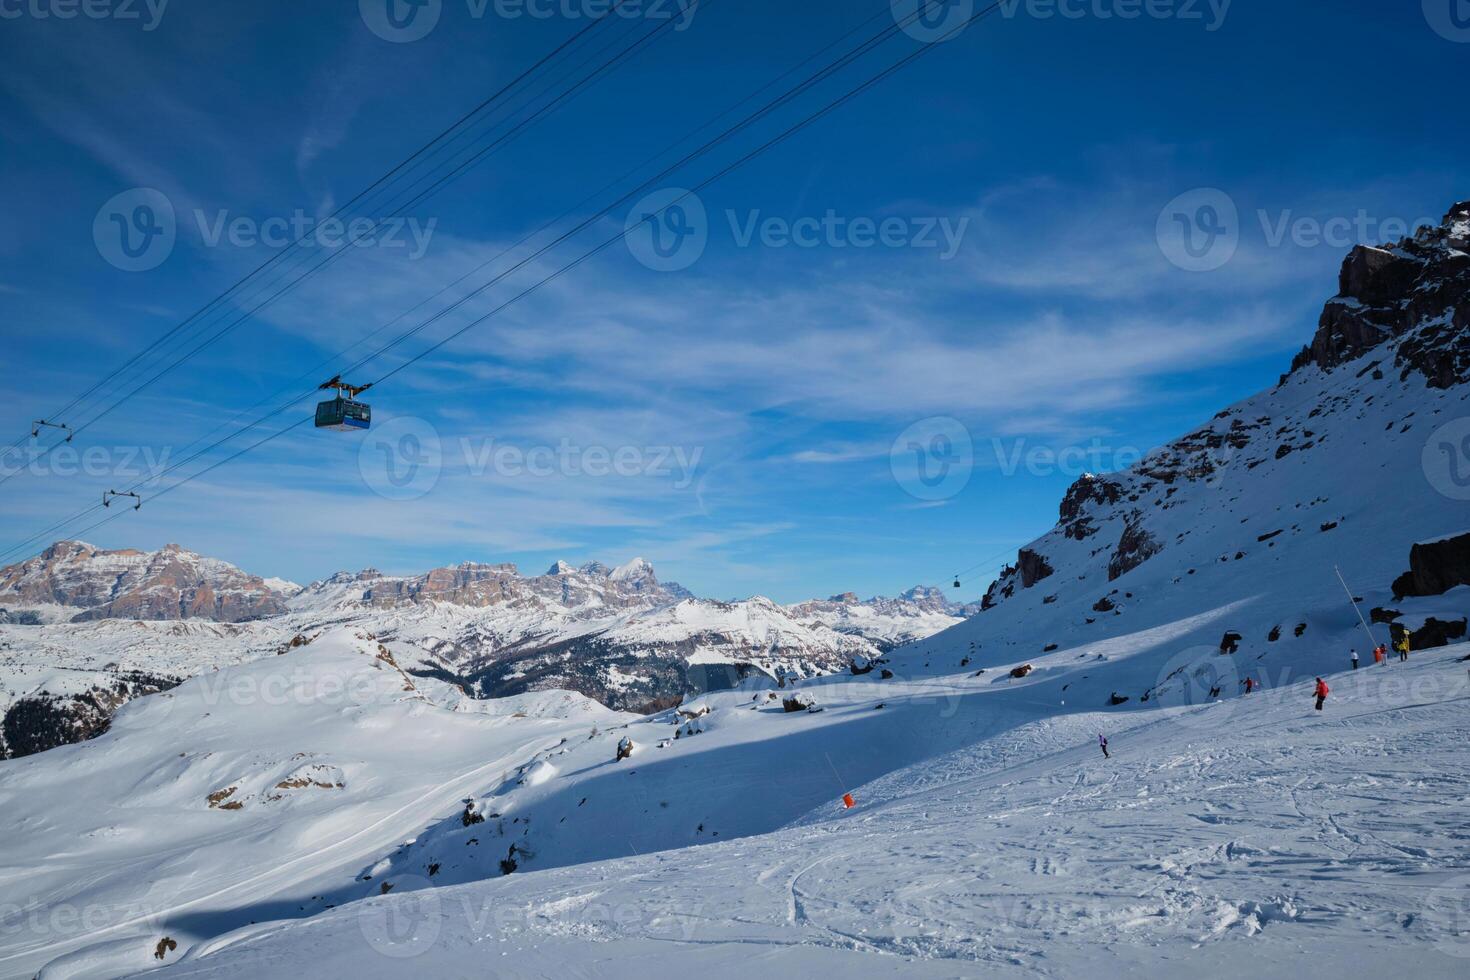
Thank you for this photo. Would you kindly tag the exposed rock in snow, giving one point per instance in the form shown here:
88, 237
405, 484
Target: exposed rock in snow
1420, 285
1435, 567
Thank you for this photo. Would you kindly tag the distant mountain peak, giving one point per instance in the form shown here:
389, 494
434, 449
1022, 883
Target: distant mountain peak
170, 583
638, 568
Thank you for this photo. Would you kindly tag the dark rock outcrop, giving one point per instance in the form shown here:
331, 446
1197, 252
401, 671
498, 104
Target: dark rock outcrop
1089, 489
1135, 547
1418, 289
1435, 567
45, 721
1033, 567
1437, 633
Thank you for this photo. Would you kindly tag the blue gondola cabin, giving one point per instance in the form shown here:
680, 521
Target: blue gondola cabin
343, 415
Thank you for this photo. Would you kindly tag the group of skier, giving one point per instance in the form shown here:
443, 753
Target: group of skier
1320, 690
1380, 652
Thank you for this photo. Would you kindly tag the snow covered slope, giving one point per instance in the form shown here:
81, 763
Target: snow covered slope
211, 805
1247, 837
617, 635
1353, 458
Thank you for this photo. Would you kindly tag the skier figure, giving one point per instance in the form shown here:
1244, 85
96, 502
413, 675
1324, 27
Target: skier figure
1250, 684
1355, 659
1102, 743
1321, 692
1403, 647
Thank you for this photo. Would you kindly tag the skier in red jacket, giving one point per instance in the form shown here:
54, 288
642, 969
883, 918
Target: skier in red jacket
1321, 692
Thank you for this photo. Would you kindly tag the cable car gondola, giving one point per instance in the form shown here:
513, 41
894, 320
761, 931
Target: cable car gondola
344, 413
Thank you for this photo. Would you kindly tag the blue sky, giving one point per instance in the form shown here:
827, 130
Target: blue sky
750, 420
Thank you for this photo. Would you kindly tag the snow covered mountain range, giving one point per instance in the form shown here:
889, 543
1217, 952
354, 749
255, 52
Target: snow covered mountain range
90, 629
330, 795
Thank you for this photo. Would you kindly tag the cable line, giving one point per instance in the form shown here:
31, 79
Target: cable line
496, 96
748, 157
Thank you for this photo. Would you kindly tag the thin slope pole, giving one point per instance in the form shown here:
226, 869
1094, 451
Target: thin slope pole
1372, 643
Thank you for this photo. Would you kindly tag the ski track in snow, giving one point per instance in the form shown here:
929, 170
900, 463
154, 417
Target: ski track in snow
1281, 841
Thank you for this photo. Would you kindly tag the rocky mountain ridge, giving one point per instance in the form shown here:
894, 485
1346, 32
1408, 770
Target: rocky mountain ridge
1356, 463
74, 580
